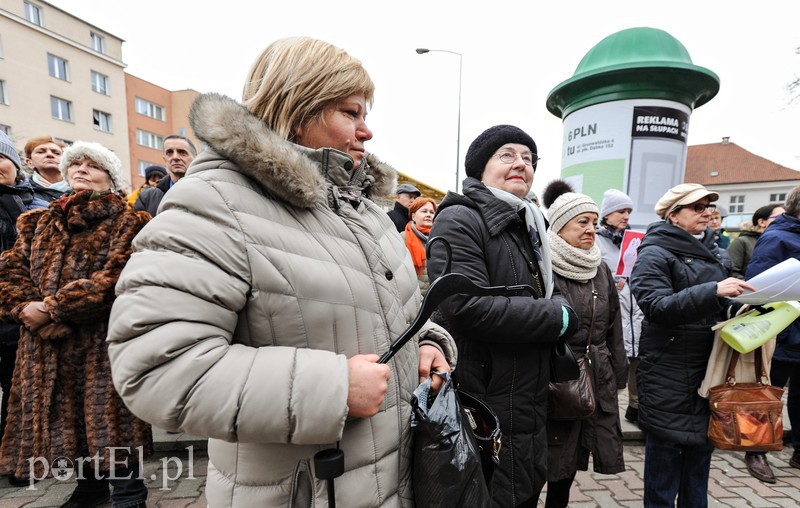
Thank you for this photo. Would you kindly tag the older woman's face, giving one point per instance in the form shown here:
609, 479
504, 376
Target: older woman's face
86, 174
424, 215
691, 220
580, 231
514, 177
8, 171
45, 156
341, 126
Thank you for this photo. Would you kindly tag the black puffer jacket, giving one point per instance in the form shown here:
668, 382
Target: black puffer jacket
504, 343
675, 282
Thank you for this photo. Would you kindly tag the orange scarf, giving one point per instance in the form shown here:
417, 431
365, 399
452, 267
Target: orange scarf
415, 246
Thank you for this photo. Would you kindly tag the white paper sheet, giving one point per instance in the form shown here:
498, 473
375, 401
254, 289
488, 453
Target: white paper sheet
778, 284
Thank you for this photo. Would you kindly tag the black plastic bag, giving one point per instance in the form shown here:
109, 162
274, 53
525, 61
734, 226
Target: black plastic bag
447, 468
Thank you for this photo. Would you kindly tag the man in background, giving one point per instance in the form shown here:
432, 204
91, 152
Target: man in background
179, 152
406, 193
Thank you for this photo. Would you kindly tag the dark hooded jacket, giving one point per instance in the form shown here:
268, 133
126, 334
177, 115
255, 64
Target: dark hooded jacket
399, 216
779, 242
150, 198
504, 342
674, 281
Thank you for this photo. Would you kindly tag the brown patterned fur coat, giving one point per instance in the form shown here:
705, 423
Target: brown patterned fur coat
63, 403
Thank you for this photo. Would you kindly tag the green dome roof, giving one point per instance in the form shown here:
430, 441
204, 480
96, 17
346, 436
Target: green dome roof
634, 63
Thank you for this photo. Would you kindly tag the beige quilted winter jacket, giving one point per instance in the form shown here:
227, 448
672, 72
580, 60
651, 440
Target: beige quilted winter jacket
265, 269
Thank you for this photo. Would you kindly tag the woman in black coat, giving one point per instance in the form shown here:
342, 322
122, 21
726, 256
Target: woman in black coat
498, 238
588, 285
681, 282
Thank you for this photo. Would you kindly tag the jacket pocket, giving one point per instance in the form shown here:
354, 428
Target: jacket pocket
302, 487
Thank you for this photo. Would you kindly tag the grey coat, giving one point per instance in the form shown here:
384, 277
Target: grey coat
632, 315
264, 271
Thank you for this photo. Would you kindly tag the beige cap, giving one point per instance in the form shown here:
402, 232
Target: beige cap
683, 194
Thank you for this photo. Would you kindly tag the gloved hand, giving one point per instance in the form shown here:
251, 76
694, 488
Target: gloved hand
570, 321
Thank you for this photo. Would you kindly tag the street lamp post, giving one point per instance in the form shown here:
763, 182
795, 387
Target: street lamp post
422, 51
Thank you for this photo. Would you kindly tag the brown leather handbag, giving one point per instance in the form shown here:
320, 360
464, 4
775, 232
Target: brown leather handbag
746, 416
574, 399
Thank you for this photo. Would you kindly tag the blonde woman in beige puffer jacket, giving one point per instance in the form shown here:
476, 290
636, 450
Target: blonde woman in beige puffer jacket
255, 304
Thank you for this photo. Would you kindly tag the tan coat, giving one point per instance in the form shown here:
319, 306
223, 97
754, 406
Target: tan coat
262, 273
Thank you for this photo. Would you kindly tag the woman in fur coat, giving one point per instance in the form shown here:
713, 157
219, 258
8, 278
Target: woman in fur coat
58, 283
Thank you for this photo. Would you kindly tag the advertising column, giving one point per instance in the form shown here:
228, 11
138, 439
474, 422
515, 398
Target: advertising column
626, 117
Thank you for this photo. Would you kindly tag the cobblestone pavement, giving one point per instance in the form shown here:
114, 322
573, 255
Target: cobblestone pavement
176, 474
729, 485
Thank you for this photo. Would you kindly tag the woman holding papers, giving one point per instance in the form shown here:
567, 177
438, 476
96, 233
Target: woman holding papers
681, 282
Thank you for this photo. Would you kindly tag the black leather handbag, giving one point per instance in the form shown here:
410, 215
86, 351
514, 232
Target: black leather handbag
563, 365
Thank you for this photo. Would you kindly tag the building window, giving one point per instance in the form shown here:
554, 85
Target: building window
98, 43
149, 139
144, 165
777, 198
60, 109
58, 67
102, 121
6, 129
1, 47
100, 83
33, 13
147, 108
3, 92
737, 204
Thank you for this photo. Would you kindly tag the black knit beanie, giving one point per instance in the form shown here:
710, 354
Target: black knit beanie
487, 144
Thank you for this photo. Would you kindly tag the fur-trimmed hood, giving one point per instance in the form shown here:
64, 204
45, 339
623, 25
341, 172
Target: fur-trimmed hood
293, 173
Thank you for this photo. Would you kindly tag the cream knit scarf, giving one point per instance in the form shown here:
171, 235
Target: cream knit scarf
533, 218
572, 262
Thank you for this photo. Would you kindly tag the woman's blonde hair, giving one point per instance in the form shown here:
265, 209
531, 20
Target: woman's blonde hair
296, 78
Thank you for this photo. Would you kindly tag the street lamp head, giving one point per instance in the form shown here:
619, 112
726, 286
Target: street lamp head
422, 51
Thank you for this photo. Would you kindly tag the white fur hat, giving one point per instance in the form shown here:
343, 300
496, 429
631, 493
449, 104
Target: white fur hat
98, 153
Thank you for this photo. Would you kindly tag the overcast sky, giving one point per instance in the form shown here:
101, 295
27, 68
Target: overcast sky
514, 54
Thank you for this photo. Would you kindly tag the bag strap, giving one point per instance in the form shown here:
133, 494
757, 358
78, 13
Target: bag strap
760, 371
595, 294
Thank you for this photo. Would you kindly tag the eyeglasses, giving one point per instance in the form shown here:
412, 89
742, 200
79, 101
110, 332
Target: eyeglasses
509, 157
700, 207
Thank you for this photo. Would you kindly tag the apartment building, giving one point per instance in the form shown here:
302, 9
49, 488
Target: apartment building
154, 113
60, 76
